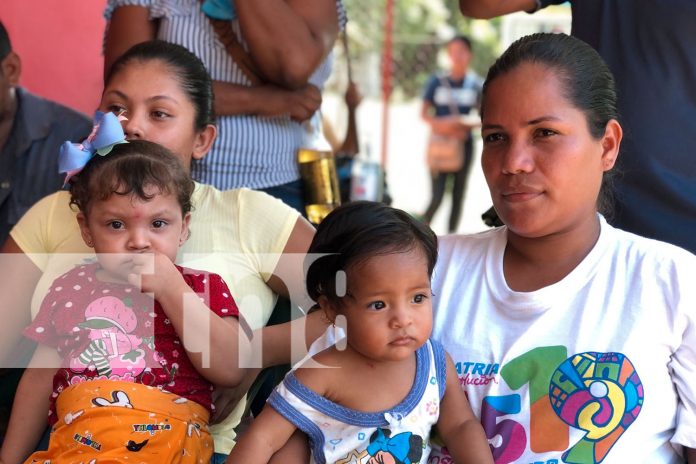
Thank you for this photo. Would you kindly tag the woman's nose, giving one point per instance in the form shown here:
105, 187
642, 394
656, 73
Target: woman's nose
133, 127
517, 159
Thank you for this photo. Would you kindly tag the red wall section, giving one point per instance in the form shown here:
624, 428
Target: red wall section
59, 42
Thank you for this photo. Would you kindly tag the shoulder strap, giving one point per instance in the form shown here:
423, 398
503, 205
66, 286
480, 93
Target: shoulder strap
440, 365
225, 34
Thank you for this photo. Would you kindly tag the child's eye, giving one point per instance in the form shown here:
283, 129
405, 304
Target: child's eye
116, 225
420, 298
158, 224
376, 305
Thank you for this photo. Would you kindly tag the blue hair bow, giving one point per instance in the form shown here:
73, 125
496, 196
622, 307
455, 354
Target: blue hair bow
106, 133
398, 445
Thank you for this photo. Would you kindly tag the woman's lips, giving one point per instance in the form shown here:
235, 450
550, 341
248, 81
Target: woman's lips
521, 195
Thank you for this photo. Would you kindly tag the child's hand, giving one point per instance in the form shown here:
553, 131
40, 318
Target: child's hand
153, 273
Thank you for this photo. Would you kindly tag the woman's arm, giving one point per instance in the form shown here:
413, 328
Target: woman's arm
458, 427
129, 25
288, 39
486, 9
30, 408
267, 434
266, 100
288, 280
288, 275
15, 305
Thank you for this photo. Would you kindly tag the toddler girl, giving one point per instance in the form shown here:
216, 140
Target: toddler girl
136, 373
376, 400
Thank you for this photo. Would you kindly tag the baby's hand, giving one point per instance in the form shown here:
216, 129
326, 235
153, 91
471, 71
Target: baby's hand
153, 273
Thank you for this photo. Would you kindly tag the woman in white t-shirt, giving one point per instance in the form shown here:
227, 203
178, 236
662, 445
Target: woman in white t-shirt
575, 341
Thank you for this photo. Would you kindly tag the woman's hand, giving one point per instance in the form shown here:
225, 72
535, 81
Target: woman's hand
300, 104
352, 97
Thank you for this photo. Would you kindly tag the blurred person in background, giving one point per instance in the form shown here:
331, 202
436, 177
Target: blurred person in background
31, 130
446, 100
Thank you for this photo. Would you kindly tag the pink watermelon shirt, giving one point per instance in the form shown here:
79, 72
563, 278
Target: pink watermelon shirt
113, 331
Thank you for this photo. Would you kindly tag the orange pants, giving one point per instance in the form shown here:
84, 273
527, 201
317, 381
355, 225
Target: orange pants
105, 421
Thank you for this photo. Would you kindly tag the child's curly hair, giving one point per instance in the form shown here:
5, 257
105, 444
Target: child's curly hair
128, 170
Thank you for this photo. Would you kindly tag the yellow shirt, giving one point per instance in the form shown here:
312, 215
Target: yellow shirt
238, 234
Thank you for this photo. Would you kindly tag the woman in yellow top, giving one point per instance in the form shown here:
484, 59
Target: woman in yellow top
247, 237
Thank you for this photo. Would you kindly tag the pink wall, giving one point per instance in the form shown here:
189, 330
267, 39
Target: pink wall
59, 42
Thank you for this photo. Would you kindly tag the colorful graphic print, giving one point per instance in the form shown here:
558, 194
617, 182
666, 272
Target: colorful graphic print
113, 347
404, 447
600, 393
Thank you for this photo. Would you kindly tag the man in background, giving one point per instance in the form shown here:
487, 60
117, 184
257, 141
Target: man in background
31, 132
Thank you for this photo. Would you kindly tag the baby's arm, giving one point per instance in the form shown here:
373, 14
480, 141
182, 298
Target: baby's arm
267, 434
459, 427
30, 408
211, 342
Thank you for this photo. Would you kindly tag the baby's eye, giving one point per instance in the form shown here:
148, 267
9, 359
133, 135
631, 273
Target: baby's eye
158, 224
376, 305
116, 225
420, 298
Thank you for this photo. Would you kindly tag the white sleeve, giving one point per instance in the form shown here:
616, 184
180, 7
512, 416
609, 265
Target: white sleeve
683, 363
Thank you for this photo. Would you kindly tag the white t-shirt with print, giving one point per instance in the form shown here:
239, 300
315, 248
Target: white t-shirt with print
599, 367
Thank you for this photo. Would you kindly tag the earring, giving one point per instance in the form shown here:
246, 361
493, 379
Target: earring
90, 244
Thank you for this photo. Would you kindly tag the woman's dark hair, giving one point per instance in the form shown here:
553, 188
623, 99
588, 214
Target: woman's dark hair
128, 170
357, 231
189, 69
587, 83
